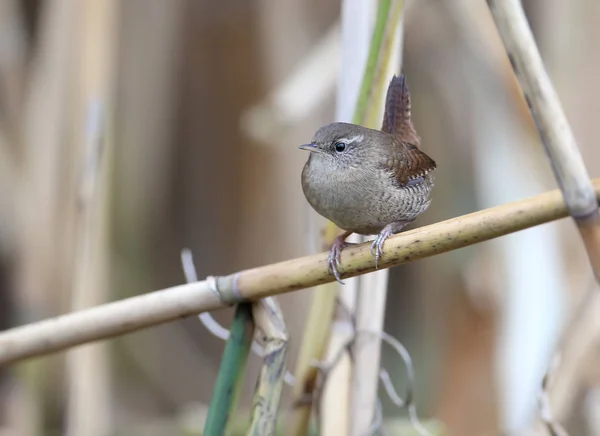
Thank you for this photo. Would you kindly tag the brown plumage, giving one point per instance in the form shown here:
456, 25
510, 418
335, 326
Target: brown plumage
369, 181
397, 116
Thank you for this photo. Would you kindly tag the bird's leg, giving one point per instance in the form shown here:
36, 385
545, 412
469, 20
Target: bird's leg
390, 229
334, 259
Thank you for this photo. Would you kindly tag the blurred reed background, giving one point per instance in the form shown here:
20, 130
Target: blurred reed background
200, 151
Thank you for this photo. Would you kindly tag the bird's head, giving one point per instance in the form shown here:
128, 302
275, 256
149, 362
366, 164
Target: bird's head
344, 144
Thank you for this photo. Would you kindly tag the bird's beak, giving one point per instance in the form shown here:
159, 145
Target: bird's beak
310, 147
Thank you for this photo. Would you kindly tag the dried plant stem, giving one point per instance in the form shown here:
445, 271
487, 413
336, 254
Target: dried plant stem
557, 137
39, 273
321, 312
361, 27
231, 372
88, 371
131, 314
333, 400
269, 320
313, 345
337, 410
372, 290
573, 353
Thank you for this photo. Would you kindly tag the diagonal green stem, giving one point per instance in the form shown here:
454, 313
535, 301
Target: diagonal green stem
231, 371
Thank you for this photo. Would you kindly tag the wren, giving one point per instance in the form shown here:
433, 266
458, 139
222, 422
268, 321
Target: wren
367, 181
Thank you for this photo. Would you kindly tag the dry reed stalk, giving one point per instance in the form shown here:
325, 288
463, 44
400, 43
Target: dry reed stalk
313, 344
558, 139
516, 273
312, 348
269, 321
567, 374
40, 217
363, 372
333, 406
331, 400
576, 352
372, 291
352, 102
89, 401
556, 134
357, 34
131, 314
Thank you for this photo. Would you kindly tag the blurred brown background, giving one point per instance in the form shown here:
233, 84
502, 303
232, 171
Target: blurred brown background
200, 153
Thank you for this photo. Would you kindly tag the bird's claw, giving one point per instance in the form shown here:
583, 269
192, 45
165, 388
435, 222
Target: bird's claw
334, 260
377, 246
333, 264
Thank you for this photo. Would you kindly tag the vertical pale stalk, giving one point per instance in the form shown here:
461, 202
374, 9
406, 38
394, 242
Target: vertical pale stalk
363, 395
337, 389
231, 372
372, 291
370, 314
356, 35
89, 400
356, 30
312, 348
269, 320
39, 269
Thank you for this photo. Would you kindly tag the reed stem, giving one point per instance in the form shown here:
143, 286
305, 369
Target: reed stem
132, 314
231, 372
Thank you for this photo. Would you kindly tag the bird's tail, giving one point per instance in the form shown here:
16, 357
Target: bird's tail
397, 114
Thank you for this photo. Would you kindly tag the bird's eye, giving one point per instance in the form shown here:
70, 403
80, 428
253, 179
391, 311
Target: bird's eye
340, 147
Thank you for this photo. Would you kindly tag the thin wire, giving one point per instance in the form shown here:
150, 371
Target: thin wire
207, 319
209, 322
410, 373
384, 376
325, 370
386, 380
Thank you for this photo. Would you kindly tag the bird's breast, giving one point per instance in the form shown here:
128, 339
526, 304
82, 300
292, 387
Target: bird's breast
362, 201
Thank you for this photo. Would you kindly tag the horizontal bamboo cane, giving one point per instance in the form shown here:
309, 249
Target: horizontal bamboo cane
158, 307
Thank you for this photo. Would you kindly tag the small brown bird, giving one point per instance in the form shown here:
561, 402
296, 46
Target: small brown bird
369, 181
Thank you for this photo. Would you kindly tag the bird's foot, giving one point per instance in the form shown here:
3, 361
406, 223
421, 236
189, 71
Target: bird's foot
377, 245
334, 259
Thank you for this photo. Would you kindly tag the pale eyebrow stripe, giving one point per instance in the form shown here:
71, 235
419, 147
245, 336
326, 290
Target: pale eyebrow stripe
351, 139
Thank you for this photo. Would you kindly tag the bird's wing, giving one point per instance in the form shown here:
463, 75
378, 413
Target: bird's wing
408, 164
397, 115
